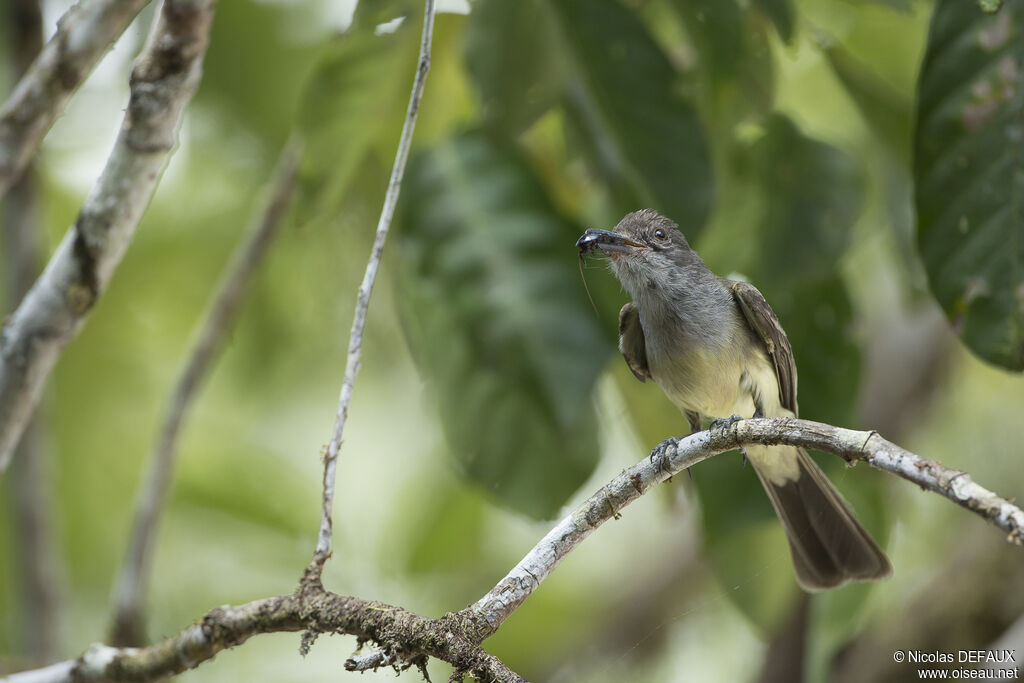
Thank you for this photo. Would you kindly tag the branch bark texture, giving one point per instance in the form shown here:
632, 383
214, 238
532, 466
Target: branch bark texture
130, 587
323, 544
83, 36
163, 79
312, 609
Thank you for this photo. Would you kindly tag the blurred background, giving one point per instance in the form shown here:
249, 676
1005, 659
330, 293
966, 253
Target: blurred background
779, 134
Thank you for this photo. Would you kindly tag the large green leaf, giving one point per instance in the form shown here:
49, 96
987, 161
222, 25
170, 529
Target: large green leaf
499, 323
643, 132
969, 175
514, 59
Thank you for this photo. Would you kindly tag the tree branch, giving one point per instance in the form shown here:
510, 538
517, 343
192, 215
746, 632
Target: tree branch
84, 34
129, 589
492, 609
323, 544
313, 609
162, 82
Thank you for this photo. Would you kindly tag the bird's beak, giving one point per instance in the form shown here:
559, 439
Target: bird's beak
605, 242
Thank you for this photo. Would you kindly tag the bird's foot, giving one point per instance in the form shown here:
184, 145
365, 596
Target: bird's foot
743, 452
659, 456
724, 423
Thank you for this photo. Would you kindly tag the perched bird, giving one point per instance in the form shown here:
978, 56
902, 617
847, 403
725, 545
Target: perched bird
716, 349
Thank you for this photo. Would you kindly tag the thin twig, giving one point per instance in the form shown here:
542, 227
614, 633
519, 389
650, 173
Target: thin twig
323, 544
84, 34
496, 606
130, 588
163, 79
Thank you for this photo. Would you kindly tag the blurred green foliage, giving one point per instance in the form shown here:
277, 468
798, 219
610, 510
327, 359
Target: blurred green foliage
969, 189
781, 135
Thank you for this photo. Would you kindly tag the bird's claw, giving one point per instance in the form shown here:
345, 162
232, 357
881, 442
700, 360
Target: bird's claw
724, 423
660, 453
743, 451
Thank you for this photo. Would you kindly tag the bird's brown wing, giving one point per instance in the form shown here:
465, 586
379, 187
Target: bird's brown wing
765, 325
631, 342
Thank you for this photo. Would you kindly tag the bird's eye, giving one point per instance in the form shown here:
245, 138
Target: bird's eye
659, 233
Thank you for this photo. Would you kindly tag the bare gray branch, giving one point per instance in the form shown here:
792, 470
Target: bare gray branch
164, 77
83, 36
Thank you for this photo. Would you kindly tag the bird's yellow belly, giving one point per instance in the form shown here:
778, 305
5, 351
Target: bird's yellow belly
712, 384
703, 382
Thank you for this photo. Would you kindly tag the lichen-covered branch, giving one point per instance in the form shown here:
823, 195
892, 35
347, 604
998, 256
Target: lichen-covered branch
355, 343
496, 606
405, 634
129, 589
84, 34
163, 79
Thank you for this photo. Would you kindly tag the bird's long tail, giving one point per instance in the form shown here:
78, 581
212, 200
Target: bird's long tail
829, 546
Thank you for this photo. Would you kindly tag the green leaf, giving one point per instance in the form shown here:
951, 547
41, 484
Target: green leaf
969, 175
644, 134
499, 323
511, 53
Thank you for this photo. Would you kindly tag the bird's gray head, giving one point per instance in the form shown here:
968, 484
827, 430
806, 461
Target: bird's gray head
646, 252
